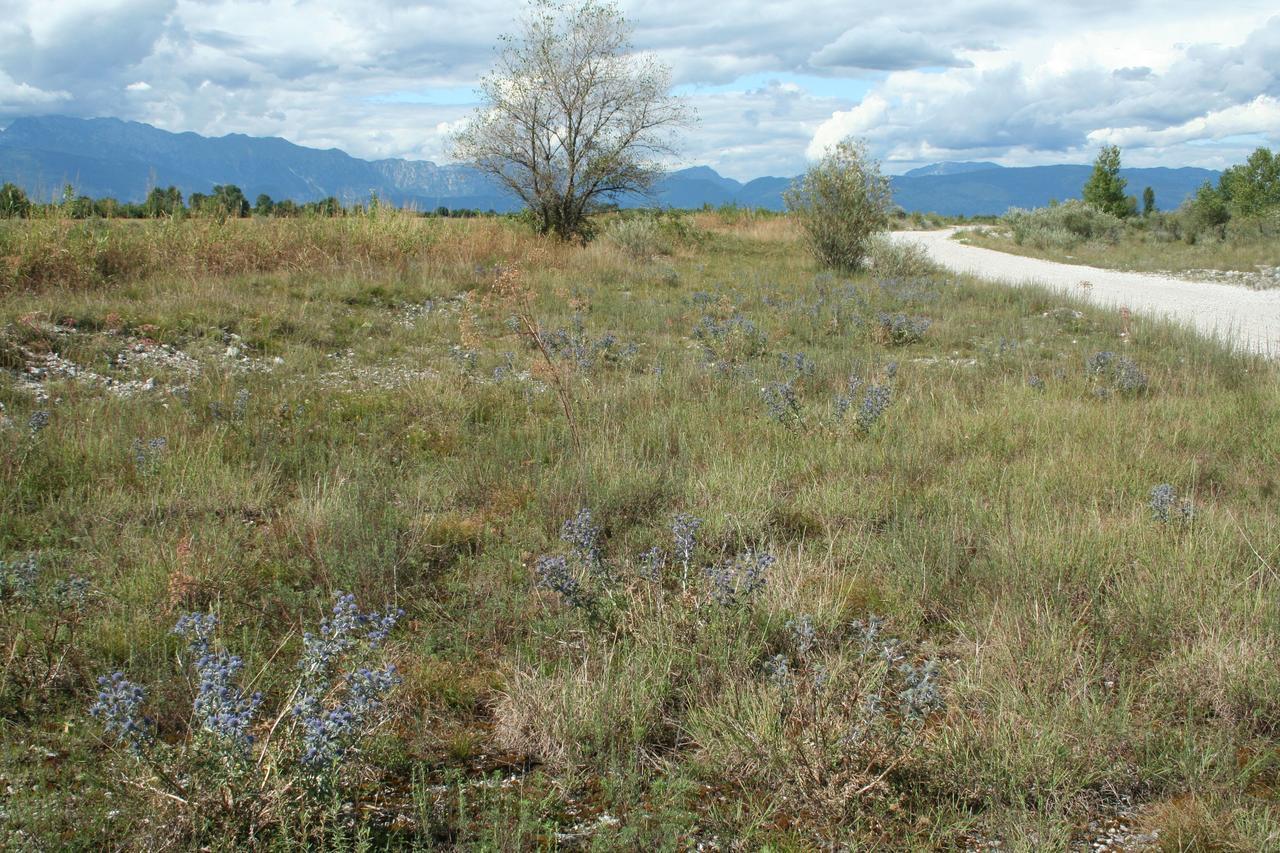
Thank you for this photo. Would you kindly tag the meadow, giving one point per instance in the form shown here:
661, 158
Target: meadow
670, 541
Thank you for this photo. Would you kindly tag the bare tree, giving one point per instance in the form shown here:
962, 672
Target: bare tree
571, 118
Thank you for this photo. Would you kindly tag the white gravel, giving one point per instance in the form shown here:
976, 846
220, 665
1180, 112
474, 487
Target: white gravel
1249, 318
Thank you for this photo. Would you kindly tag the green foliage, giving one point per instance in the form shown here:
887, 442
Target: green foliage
1209, 209
1062, 226
841, 203
1105, 188
1253, 187
646, 234
1148, 201
13, 202
167, 202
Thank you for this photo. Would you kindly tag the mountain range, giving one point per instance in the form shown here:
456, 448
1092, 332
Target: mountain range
125, 159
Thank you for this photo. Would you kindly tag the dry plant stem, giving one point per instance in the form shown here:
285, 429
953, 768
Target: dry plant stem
562, 390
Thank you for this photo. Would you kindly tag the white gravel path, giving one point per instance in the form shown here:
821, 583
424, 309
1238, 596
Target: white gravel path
1249, 318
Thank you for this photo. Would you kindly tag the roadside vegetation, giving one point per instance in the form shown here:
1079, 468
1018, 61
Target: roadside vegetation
445, 535
1230, 231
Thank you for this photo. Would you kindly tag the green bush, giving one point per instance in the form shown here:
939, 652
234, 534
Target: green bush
645, 235
1062, 226
841, 203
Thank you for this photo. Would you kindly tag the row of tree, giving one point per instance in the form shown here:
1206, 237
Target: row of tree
1250, 189
227, 201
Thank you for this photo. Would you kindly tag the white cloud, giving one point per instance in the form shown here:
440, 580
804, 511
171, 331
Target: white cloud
1012, 80
885, 47
1259, 116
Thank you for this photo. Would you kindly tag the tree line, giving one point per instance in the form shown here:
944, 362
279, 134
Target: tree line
226, 201
1247, 190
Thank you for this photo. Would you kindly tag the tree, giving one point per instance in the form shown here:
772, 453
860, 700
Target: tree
263, 206
228, 200
570, 118
14, 203
163, 202
1253, 187
1105, 188
841, 203
1148, 201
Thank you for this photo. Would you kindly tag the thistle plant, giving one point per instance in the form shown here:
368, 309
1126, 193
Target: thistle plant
119, 708
733, 581
855, 722
868, 402
147, 454
338, 698
18, 578
1166, 506
1112, 373
782, 404
901, 329
221, 710
730, 342
684, 535
579, 577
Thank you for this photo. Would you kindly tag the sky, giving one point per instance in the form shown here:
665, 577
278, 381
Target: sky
1017, 82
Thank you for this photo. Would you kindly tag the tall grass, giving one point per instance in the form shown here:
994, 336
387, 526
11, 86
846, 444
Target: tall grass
78, 254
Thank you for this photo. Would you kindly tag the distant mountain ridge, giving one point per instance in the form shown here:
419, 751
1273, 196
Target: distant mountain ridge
950, 168
125, 159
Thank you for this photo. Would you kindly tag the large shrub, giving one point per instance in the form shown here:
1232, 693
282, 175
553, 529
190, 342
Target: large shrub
841, 203
1062, 226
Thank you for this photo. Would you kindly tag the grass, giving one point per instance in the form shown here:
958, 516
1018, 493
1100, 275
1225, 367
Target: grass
1151, 249
1093, 661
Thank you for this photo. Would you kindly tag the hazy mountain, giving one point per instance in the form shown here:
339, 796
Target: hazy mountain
950, 168
995, 190
125, 159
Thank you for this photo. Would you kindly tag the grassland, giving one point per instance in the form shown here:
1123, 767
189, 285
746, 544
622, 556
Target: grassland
379, 423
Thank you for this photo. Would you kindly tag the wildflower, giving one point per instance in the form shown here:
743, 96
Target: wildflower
778, 671
803, 634
583, 537
737, 579
240, 406
18, 578
119, 706
652, 562
1166, 506
220, 706
921, 695
901, 329
782, 403
798, 363
146, 455
554, 574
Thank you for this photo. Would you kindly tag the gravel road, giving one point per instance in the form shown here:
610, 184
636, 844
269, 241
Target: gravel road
1249, 318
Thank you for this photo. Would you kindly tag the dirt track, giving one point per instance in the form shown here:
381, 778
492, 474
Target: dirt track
1249, 318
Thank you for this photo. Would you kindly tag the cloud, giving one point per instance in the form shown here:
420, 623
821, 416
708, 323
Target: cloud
885, 48
1259, 116
1011, 80
1072, 100
16, 98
